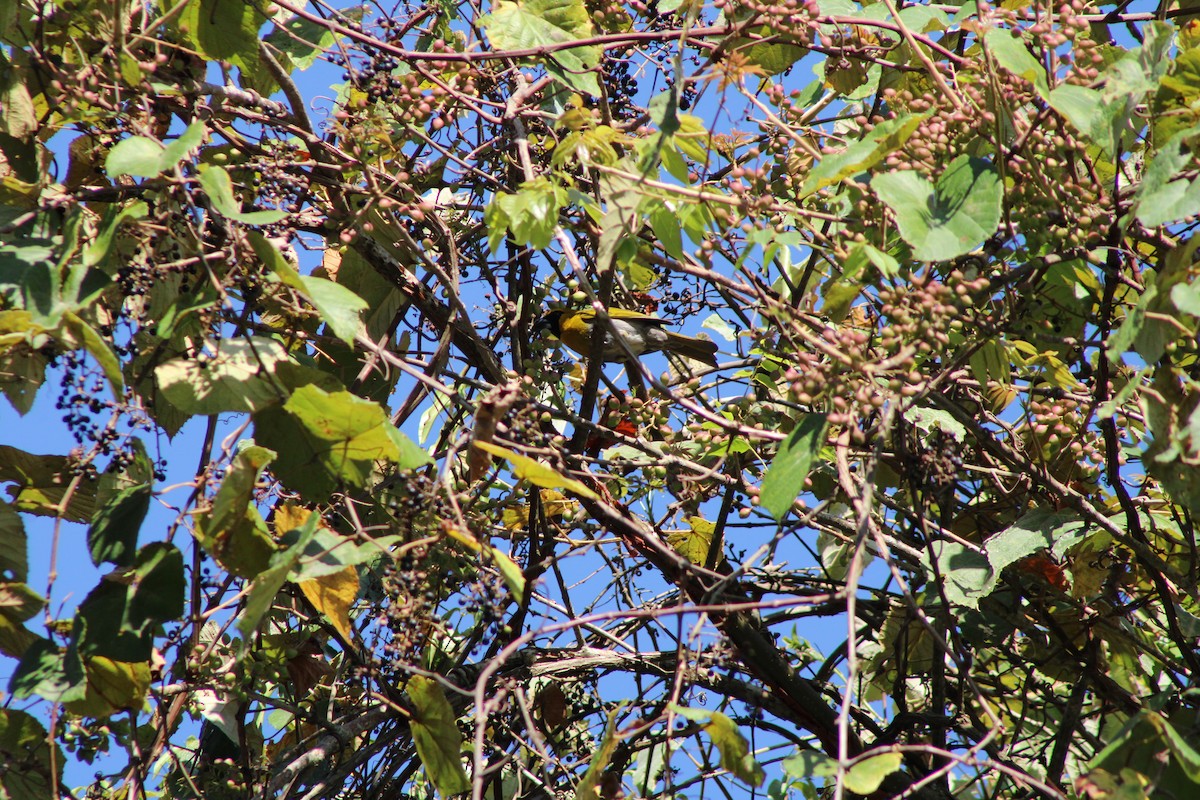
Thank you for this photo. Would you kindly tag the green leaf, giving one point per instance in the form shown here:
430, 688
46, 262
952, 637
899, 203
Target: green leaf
120, 475
693, 139
145, 158
531, 24
411, 456
809, 764
673, 161
42, 483
863, 254
947, 220
94, 343
296, 44
716, 324
18, 603
665, 225
531, 215
785, 477
439, 744
112, 686
118, 618
238, 377
928, 420
327, 440
861, 156
1154, 320
384, 301
1160, 199
156, 593
339, 307
178, 149
837, 554
734, 750
620, 223
510, 571
22, 373
112, 536
774, 57
327, 552
237, 489
1010, 52
852, 78
50, 672
1174, 108
1040, 529
1086, 110
136, 156
733, 747
233, 532
14, 563
304, 41
97, 251
223, 30
268, 583
1104, 115
219, 187
1152, 746
29, 277
24, 744
650, 765
18, 117
967, 574
536, 472
867, 775
923, 19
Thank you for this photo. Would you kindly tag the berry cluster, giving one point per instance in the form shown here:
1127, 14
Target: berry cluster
938, 461
280, 184
411, 585
609, 16
924, 313
81, 398
412, 98
915, 327
1058, 435
790, 20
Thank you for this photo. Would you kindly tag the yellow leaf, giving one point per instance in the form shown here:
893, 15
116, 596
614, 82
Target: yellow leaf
515, 517
554, 506
332, 595
288, 517
577, 374
693, 544
536, 472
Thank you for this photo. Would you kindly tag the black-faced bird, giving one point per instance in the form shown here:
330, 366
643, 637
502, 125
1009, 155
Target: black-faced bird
643, 333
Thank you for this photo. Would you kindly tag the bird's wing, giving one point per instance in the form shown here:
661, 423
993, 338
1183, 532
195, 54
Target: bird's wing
626, 315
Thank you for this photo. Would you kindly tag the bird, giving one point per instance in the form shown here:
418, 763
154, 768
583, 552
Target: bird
643, 333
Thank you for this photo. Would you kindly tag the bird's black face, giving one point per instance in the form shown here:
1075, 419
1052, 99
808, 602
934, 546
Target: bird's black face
551, 321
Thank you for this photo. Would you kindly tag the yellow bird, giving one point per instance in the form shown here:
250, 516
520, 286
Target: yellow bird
643, 333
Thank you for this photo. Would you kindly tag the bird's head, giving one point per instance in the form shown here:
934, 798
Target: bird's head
551, 321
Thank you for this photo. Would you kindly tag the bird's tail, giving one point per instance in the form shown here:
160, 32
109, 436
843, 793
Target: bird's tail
692, 347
